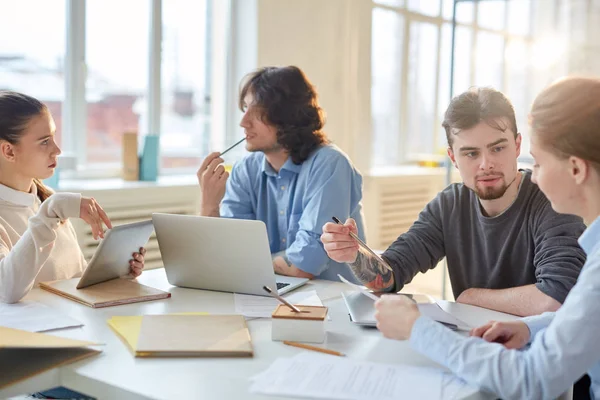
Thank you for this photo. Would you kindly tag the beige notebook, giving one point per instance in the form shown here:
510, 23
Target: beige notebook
194, 336
24, 354
106, 294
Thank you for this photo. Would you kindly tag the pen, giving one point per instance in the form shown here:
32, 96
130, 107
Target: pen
281, 299
232, 146
314, 348
364, 246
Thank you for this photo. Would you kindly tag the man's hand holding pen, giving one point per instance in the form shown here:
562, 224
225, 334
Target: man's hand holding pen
342, 247
212, 178
338, 243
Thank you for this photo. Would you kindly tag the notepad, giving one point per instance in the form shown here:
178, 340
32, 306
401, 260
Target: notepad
24, 354
187, 335
106, 294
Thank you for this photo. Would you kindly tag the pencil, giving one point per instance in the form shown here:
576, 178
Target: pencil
232, 146
364, 246
314, 348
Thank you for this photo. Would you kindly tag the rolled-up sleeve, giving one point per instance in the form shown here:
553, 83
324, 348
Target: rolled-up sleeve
328, 195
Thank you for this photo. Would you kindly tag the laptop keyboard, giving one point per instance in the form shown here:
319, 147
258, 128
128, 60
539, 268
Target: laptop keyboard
281, 285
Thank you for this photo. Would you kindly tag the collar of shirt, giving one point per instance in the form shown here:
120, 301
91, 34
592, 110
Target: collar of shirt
19, 198
590, 239
288, 165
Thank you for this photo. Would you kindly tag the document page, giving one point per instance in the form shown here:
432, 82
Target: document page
34, 317
328, 377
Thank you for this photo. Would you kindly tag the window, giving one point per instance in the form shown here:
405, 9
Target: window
492, 47
32, 59
489, 58
90, 61
117, 76
422, 70
185, 114
388, 29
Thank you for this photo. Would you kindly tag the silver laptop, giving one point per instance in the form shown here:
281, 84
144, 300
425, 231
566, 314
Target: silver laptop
229, 255
362, 311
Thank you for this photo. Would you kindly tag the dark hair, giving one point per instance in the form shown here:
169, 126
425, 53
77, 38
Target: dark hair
16, 112
478, 105
288, 101
565, 118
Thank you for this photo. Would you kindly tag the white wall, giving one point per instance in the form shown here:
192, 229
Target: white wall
330, 40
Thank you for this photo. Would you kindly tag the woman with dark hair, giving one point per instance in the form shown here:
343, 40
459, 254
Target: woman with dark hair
565, 144
37, 241
294, 180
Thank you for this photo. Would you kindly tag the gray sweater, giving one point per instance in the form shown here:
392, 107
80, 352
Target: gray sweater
529, 243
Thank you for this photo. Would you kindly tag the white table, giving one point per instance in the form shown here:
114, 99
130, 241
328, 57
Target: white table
115, 373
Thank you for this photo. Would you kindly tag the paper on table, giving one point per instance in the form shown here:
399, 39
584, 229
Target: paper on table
263, 306
31, 316
319, 376
362, 289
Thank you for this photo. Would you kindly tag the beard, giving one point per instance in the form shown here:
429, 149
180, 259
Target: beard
265, 149
491, 193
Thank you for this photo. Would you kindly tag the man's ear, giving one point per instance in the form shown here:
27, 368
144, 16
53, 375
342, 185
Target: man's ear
579, 169
518, 141
7, 150
451, 155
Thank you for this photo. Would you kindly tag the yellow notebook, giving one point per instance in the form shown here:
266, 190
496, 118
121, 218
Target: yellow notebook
185, 335
106, 294
24, 354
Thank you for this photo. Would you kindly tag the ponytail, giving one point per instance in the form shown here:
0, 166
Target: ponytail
43, 191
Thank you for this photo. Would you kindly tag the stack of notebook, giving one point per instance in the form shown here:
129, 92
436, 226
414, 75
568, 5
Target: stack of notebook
187, 335
24, 354
110, 293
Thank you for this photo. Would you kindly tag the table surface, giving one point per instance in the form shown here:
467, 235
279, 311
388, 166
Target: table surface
115, 373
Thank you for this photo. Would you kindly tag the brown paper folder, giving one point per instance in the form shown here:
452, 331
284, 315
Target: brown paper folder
106, 294
194, 336
24, 354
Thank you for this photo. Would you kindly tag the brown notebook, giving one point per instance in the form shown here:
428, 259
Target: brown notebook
25, 354
194, 336
106, 294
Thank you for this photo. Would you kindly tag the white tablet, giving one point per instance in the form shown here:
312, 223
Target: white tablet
111, 259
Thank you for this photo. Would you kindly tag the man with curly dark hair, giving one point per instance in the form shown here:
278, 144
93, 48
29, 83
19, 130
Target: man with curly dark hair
294, 180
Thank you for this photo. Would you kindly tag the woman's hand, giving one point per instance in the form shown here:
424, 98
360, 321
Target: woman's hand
396, 315
513, 335
91, 212
137, 263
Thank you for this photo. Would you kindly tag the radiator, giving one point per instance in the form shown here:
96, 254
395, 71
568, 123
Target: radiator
393, 203
132, 205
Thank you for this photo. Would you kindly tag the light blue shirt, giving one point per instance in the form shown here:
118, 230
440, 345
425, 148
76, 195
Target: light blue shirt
296, 202
565, 344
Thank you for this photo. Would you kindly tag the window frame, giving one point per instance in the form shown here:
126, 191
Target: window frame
411, 17
74, 114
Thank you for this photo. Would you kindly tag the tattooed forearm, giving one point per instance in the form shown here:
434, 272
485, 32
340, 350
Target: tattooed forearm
367, 269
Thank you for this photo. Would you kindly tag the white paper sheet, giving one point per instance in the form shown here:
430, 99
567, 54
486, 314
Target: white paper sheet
34, 317
263, 307
318, 376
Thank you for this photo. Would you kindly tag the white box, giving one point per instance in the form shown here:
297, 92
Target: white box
307, 326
